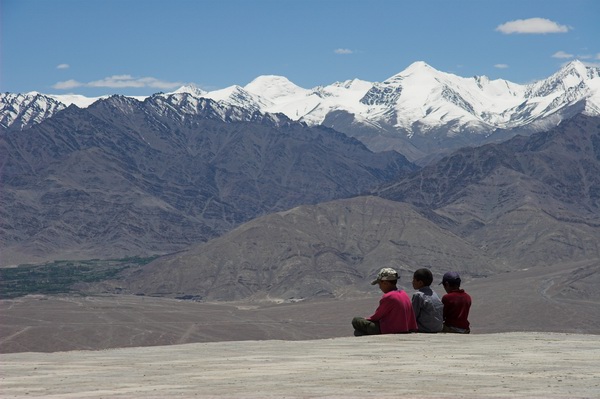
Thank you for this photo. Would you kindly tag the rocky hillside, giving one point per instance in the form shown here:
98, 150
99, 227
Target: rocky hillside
331, 249
532, 200
124, 177
507, 207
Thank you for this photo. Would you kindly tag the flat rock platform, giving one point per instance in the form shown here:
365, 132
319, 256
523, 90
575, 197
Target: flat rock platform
500, 365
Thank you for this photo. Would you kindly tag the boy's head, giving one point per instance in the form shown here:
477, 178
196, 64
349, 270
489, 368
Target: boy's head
451, 280
422, 278
387, 279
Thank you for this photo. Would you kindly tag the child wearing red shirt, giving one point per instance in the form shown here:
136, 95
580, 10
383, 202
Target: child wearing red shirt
456, 305
395, 312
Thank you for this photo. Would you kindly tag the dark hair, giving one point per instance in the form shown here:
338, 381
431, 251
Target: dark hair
423, 275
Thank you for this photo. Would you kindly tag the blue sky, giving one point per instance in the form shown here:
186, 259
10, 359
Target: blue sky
140, 47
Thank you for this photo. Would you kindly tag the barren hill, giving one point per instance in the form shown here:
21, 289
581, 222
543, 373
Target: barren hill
529, 202
311, 251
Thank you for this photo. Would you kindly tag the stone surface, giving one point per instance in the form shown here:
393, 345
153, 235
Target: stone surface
509, 365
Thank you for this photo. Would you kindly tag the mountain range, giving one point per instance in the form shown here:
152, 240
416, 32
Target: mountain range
525, 203
245, 203
420, 112
124, 177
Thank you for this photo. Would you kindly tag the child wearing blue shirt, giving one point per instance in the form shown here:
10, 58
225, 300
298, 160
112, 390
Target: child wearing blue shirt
428, 308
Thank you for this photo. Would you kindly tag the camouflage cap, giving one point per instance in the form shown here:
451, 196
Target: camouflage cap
386, 274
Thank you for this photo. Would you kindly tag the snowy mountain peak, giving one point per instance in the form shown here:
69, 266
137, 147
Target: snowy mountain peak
418, 70
575, 67
354, 84
190, 89
419, 101
418, 67
239, 97
574, 73
274, 87
570, 77
24, 110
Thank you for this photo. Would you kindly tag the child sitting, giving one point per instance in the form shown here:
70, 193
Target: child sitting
394, 314
426, 303
456, 305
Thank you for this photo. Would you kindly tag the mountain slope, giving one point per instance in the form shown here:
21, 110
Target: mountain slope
526, 203
531, 200
332, 249
20, 111
124, 177
566, 160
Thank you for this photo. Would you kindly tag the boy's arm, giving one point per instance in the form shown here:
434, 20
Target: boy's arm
446, 304
382, 310
416, 304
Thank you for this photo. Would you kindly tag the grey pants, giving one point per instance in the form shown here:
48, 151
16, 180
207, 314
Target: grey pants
363, 326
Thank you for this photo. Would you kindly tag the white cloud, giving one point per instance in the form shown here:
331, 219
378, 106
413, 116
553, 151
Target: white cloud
562, 54
591, 64
532, 26
63, 66
581, 57
119, 82
501, 66
68, 84
343, 51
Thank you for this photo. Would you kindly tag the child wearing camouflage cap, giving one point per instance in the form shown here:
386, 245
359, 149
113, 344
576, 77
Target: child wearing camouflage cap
395, 312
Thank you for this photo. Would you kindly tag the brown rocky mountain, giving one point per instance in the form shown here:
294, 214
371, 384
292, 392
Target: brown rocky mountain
124, 177
528, 202
330, 249
531, 200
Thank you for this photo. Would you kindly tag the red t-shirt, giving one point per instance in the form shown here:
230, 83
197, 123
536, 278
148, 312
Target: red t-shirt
456, 309
395, 313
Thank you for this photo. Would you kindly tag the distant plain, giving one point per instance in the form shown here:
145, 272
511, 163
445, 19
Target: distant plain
526, 300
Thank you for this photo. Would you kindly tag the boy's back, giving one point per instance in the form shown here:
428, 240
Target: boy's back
457, 304
426, 304
395, 313
428, 310
456, 310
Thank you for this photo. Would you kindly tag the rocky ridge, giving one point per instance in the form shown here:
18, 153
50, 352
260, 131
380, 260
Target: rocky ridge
124, 177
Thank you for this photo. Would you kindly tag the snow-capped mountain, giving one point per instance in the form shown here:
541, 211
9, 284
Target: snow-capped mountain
418, 111
24, 110
239, 108
420, 96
